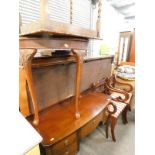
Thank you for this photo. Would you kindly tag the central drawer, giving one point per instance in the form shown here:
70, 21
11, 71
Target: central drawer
90, 126
66, 146
68, 150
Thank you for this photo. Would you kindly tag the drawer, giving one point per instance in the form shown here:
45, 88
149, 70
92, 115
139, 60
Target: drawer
68, 150
73, 44
90, 126
64, 143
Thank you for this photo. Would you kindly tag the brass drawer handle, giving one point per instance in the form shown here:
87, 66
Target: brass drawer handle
66, 142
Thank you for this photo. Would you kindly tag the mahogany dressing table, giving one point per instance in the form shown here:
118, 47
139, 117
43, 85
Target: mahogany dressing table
63, 122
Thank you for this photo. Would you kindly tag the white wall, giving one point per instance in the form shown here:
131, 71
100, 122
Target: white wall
128, 25
111, 22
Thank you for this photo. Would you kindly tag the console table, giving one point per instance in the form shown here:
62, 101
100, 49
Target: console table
51, 97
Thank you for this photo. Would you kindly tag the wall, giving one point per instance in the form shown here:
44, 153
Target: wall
111, 22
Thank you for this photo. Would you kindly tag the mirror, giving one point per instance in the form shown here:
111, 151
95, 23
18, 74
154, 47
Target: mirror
123, 48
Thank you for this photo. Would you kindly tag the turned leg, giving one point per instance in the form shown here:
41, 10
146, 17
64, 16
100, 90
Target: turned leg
124, 115
113, 124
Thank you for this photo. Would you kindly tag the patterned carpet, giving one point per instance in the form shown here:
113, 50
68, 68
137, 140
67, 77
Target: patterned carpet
97, 144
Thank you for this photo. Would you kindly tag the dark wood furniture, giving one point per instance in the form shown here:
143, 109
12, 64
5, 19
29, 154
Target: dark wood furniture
25, 73
50, 92
120, 101
53, 93
61, 131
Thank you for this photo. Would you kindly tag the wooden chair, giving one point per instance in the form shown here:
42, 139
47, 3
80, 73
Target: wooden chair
120, 101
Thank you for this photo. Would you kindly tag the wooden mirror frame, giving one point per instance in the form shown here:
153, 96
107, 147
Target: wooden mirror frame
125, 34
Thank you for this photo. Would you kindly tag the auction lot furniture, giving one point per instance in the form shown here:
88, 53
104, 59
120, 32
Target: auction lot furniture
55, 77
120, 101
54, 91
61, 131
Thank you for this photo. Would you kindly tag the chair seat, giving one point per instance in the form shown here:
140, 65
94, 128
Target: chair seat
120, 107
115, 95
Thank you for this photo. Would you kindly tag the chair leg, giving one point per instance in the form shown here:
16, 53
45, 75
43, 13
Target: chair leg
129, 108
113, 124
107, 127
124, 115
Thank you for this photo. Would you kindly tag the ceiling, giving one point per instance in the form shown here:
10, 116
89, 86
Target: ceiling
124, 7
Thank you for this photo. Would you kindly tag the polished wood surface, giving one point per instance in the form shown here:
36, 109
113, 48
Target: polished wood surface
58, 121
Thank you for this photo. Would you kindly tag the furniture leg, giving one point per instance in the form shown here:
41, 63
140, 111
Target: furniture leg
26, 56
124, 115
79, 60
129, 108
130, 103
113, 124
107, 127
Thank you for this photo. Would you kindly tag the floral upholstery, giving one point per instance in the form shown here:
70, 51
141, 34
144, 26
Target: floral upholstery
126, 72
120, 107
126, 69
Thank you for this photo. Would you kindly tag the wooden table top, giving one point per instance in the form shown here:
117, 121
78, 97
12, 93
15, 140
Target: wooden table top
58, 121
